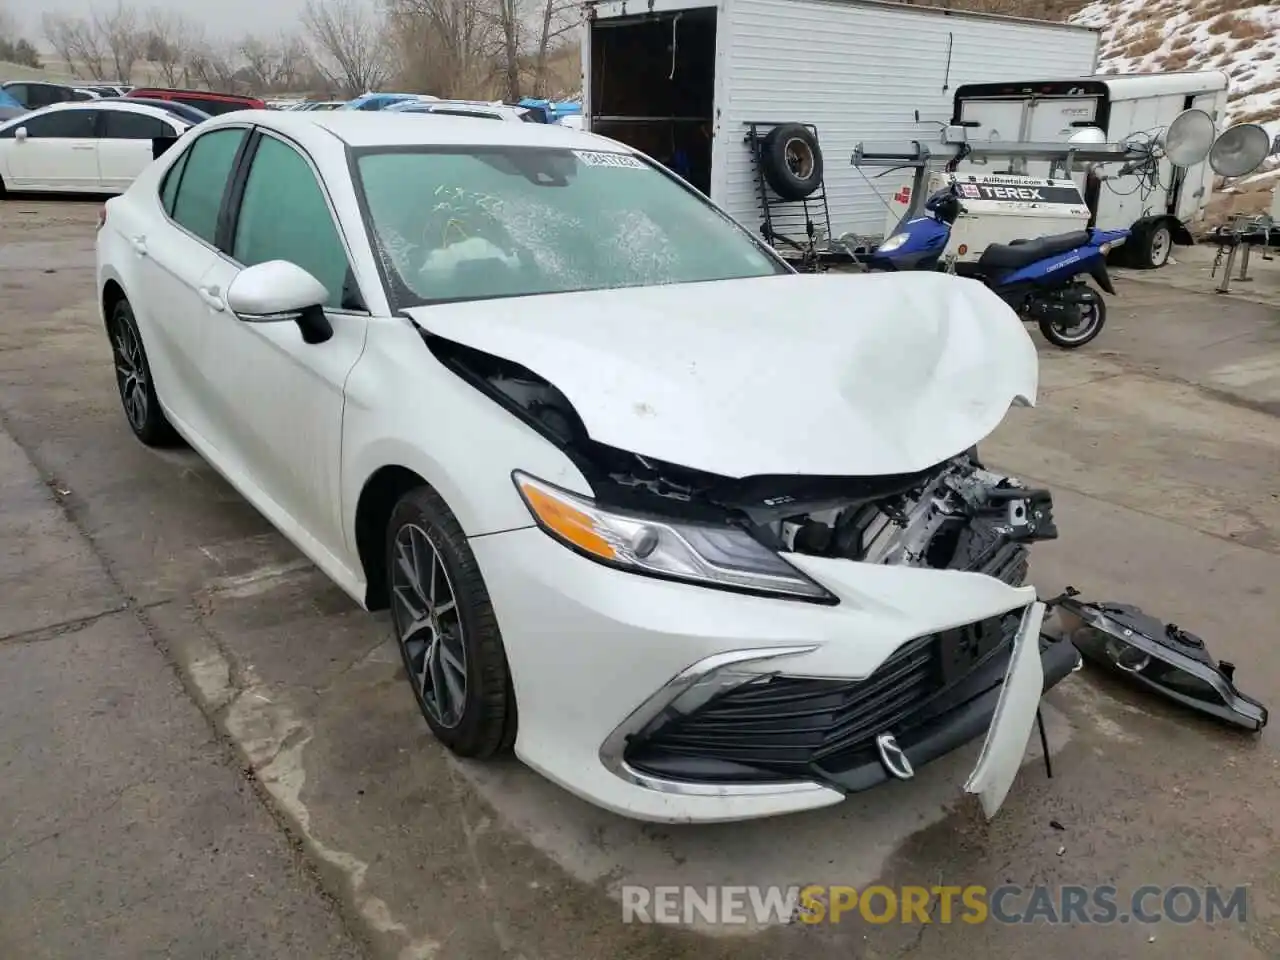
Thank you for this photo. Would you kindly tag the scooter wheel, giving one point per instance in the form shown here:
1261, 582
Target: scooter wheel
1077, 335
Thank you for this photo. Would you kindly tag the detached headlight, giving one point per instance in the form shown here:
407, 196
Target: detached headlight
893, 243
713, 556
1160, 656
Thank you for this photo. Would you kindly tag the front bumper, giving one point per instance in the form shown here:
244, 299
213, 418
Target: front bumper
597, 655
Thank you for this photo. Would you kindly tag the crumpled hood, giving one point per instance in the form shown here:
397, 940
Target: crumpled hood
828, 374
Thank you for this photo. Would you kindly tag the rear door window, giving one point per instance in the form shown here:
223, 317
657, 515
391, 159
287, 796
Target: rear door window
126, 125
206, 169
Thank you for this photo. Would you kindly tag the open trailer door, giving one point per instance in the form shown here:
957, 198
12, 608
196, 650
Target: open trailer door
649, 80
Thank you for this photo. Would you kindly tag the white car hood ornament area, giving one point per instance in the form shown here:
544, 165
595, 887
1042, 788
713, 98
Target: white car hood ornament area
829, 375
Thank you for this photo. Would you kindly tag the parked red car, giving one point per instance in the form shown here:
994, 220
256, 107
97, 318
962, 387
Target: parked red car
210, 103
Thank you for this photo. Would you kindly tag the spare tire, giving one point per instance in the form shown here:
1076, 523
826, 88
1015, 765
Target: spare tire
791, 161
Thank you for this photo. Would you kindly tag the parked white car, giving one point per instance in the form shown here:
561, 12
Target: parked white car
91, 147
476, 109
697, 535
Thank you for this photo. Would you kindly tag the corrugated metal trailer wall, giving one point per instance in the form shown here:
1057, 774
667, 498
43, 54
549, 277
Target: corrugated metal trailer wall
858, 69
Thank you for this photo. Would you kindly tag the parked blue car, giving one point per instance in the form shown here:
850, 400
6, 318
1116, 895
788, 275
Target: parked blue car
377, 101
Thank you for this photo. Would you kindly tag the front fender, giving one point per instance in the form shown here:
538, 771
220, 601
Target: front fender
404, 408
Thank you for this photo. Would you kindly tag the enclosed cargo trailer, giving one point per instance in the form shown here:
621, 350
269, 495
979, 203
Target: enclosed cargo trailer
689, 81
1157, 205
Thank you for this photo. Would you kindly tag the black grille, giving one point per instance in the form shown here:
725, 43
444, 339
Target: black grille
782, 724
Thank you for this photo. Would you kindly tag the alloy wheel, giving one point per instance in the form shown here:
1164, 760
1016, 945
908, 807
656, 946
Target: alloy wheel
131, 374
429, 627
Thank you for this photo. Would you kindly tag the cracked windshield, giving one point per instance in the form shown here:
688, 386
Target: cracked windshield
512, 222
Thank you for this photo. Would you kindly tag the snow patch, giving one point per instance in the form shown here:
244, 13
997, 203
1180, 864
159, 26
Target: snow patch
1142, 36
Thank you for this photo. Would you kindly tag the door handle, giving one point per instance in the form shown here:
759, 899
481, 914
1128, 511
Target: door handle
83, 146
139, 246
211, 297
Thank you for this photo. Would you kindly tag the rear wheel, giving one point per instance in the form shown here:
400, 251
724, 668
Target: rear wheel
446, 628
1093, 316
134, 382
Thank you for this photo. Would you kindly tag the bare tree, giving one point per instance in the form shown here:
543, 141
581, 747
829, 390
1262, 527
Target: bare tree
558, 18
510, 16
78, 42
348, 42
167, 38
446, 47
59, 33
280, 65
123, 38
13, 46
296, 68
209, 63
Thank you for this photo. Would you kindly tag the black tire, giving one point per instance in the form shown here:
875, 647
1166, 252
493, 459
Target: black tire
1152, 246
1077, 338
791, 161
134, 383
486, 724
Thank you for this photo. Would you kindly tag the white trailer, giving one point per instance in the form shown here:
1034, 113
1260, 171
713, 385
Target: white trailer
1157, 206
686, 80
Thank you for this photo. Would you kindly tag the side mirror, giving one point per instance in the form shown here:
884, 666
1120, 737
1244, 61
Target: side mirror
278, 291
20, 134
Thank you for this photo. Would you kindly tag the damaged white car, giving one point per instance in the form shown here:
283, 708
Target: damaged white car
701, 539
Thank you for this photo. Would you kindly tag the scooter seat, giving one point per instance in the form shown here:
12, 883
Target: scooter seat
1020, 253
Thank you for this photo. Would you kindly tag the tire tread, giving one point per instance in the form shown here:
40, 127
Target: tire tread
491, 730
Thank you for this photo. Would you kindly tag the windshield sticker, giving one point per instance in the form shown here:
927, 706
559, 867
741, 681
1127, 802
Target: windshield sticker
593, 158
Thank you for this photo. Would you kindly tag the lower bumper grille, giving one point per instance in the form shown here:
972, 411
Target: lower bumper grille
783, 727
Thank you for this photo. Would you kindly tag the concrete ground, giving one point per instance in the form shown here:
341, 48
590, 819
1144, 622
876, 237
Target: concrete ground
207, 750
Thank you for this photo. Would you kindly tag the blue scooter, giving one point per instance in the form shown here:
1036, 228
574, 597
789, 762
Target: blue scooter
1042, 279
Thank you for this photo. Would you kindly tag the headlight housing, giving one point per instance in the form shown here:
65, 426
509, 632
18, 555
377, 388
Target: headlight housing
720, 556
893, 243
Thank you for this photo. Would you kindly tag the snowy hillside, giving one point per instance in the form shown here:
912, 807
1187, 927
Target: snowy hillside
1149, 36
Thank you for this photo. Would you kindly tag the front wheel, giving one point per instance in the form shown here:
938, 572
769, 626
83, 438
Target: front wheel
1069, 336
446, 628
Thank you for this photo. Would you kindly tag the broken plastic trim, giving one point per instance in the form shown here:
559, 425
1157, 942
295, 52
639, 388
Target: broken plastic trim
1159, 656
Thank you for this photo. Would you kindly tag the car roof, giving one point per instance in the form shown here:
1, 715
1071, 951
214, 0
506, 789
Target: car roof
479, 106
381, 128
157, 102
37, 83
100, 105
195, 94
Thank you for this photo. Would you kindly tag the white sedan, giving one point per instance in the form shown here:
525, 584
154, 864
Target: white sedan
701, 538
84, 147
476, 109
